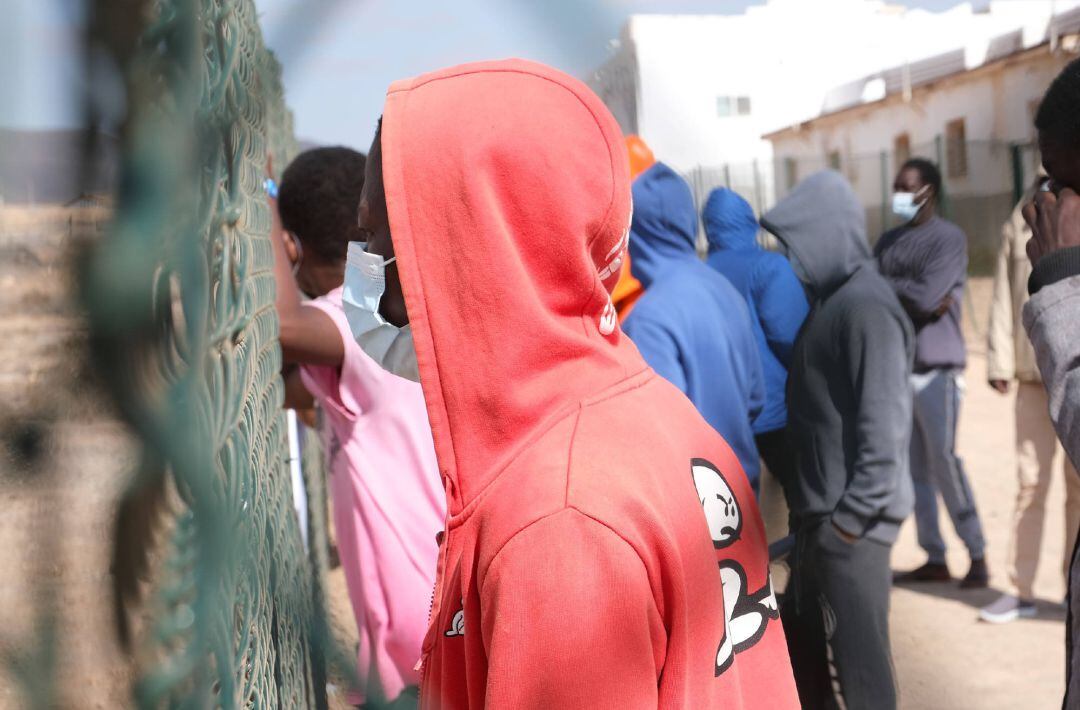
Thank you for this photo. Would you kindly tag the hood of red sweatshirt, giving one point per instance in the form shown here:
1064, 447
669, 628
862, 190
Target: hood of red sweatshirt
508, 192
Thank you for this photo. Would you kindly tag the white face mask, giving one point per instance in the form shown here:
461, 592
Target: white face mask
386, 344
904, 205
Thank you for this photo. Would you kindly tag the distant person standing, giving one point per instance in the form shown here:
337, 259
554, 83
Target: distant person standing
849, 414
691, 325
1010, 357
777, 307
925, 261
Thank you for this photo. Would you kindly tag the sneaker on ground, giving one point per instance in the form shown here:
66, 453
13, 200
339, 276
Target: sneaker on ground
1007, 608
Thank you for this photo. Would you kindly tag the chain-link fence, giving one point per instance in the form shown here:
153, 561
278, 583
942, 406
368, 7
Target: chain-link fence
983, 180
180, 301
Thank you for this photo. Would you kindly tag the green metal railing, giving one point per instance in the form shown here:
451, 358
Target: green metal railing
180, 300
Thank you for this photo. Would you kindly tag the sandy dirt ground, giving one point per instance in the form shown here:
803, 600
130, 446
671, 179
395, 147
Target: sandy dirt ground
945, 658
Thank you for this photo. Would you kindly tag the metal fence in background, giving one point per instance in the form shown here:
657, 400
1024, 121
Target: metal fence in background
983, 180
180, 298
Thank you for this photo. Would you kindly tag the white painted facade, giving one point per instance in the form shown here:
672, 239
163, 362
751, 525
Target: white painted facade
665, 77
995, 103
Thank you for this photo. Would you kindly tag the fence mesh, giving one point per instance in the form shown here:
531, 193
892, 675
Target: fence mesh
180, 295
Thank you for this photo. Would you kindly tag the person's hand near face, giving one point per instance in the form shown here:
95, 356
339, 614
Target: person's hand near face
1054, 221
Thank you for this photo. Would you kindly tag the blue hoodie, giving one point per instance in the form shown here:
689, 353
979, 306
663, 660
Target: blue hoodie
691, 325
772, 291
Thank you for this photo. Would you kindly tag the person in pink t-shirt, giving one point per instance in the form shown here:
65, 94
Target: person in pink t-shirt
387, 496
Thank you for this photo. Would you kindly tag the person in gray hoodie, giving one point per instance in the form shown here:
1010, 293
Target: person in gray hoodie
849, 414
1052, 316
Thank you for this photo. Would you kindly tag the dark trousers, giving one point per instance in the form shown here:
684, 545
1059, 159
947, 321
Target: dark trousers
778, 454
836, 617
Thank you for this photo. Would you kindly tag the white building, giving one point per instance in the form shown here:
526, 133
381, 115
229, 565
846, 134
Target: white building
976, 123
703, 90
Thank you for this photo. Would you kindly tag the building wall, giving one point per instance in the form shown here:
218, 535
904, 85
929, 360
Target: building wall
681, 64
996, 104
616, 83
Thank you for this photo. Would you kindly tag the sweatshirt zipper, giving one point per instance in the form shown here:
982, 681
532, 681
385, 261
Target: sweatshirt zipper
421, 665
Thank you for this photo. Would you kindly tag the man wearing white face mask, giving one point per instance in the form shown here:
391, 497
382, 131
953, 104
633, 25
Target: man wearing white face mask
387, 496
925, 261
365, 281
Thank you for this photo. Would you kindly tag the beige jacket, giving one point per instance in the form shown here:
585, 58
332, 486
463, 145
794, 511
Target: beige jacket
1009, 353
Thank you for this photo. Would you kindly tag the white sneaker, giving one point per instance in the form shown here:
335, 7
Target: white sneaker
1007, 608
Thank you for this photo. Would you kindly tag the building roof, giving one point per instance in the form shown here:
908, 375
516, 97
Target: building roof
884, 85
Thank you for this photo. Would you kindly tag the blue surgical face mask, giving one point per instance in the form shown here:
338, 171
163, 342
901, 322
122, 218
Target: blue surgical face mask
365, 282
904, 205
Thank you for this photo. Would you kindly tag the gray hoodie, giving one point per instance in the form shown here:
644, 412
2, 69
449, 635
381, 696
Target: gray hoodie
849, 401
1051, 318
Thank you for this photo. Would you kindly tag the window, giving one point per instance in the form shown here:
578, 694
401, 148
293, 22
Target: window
956, 160
901, 149
834, 160
732, 106
791, 173
1033, 110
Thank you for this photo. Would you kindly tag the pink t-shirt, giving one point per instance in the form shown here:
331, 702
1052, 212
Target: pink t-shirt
388, 503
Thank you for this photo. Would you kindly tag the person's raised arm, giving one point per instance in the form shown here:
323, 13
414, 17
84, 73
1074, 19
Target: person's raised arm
1051, 318
308, 336
1052, 314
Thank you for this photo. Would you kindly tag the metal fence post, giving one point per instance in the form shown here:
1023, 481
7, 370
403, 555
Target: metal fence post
1017, 157
884, 190
943, 198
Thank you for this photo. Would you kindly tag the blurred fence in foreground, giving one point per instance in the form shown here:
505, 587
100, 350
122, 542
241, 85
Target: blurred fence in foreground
180, 298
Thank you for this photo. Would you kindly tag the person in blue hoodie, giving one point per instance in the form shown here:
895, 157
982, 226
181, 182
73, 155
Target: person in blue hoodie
691, 325
777, 305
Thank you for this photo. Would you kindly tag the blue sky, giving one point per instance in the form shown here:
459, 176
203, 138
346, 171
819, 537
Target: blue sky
340, 55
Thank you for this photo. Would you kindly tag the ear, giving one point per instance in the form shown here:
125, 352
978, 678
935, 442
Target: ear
291, 249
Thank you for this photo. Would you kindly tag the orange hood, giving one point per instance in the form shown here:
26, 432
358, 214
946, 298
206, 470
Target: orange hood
508, 192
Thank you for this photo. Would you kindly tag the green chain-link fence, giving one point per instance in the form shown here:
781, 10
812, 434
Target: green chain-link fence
180, 296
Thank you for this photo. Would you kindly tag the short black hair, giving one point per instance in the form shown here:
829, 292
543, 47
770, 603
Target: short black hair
318, 197
1058, 117
928, 172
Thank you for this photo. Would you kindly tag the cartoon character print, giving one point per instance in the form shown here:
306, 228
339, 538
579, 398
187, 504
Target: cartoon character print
457, 624
746, 616
746, 613
721, 508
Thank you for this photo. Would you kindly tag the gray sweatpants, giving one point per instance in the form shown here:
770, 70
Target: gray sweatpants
935, 467
836, 618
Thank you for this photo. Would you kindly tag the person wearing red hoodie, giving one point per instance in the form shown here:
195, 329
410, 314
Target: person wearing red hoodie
577, 569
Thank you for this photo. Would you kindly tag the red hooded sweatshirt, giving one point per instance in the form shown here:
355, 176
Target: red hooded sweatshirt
577, 569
